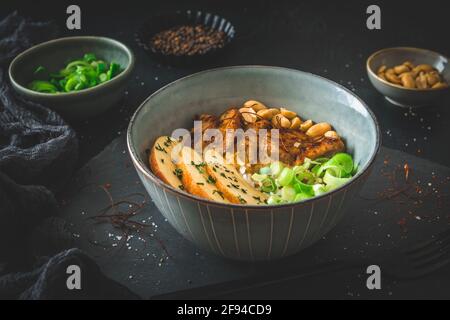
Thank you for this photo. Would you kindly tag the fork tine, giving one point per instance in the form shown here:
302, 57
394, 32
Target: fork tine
437, 249
435, 259
443, 236
426, 269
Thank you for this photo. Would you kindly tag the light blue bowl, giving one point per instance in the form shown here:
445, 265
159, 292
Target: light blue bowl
53, 55
253, 232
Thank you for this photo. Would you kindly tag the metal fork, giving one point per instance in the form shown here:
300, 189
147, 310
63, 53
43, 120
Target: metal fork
412, 262
419, 259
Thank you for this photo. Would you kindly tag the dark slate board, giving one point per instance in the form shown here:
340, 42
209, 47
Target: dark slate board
371, 228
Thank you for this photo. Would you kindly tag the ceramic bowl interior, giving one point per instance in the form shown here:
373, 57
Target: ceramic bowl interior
213, 91
407, 96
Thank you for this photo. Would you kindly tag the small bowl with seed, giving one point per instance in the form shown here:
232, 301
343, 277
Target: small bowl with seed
410, 77
185, 37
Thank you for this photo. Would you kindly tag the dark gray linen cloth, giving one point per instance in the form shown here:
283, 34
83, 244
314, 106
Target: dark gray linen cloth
38, 153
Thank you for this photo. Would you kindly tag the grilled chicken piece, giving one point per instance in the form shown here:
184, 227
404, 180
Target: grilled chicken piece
294, 146
323, 148
208, 122
229, 120
259, 124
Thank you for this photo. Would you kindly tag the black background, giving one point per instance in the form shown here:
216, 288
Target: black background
328, 38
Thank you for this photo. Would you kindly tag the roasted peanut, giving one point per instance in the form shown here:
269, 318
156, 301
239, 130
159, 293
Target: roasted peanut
381, 75
408, 64
280, 121
392, 77
274, 111
287, 113
306, 125
295, 123
421, 81
255, 105
265, 114
248, 114
407, 80
318, 129
422, 76
401, 69
433, 78
423, 67
440, 85
331, 135
382, 69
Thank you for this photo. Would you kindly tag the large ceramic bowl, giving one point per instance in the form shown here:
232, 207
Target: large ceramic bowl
407, 97
54, 55
252, 232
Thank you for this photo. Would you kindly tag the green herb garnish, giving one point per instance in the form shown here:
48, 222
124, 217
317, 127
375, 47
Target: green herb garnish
199, 166
241, 200
211, 180
220, 193
179, 173
159, 148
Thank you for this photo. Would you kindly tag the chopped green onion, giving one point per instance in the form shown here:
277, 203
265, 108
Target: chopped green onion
39, 69
319, 189
304, 188
286, 176
332, 181
276, 168
265, 170
101, 67
312, 178
268, 185
259, 177
288, 193
304, 176
77, 75
344, 160
113, 70
103, 77
89, 57
70, 84
42, 86
301, 197
274, 199
77, 63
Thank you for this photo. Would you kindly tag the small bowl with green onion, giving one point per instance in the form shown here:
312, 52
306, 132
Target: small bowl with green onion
79, 77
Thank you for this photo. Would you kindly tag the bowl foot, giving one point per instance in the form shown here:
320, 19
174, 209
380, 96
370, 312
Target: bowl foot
404, 105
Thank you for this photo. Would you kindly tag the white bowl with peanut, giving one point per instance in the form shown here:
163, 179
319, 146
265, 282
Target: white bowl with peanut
410, 77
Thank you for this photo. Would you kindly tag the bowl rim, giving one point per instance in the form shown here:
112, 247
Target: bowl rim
393, 85
147, 172
41, 45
